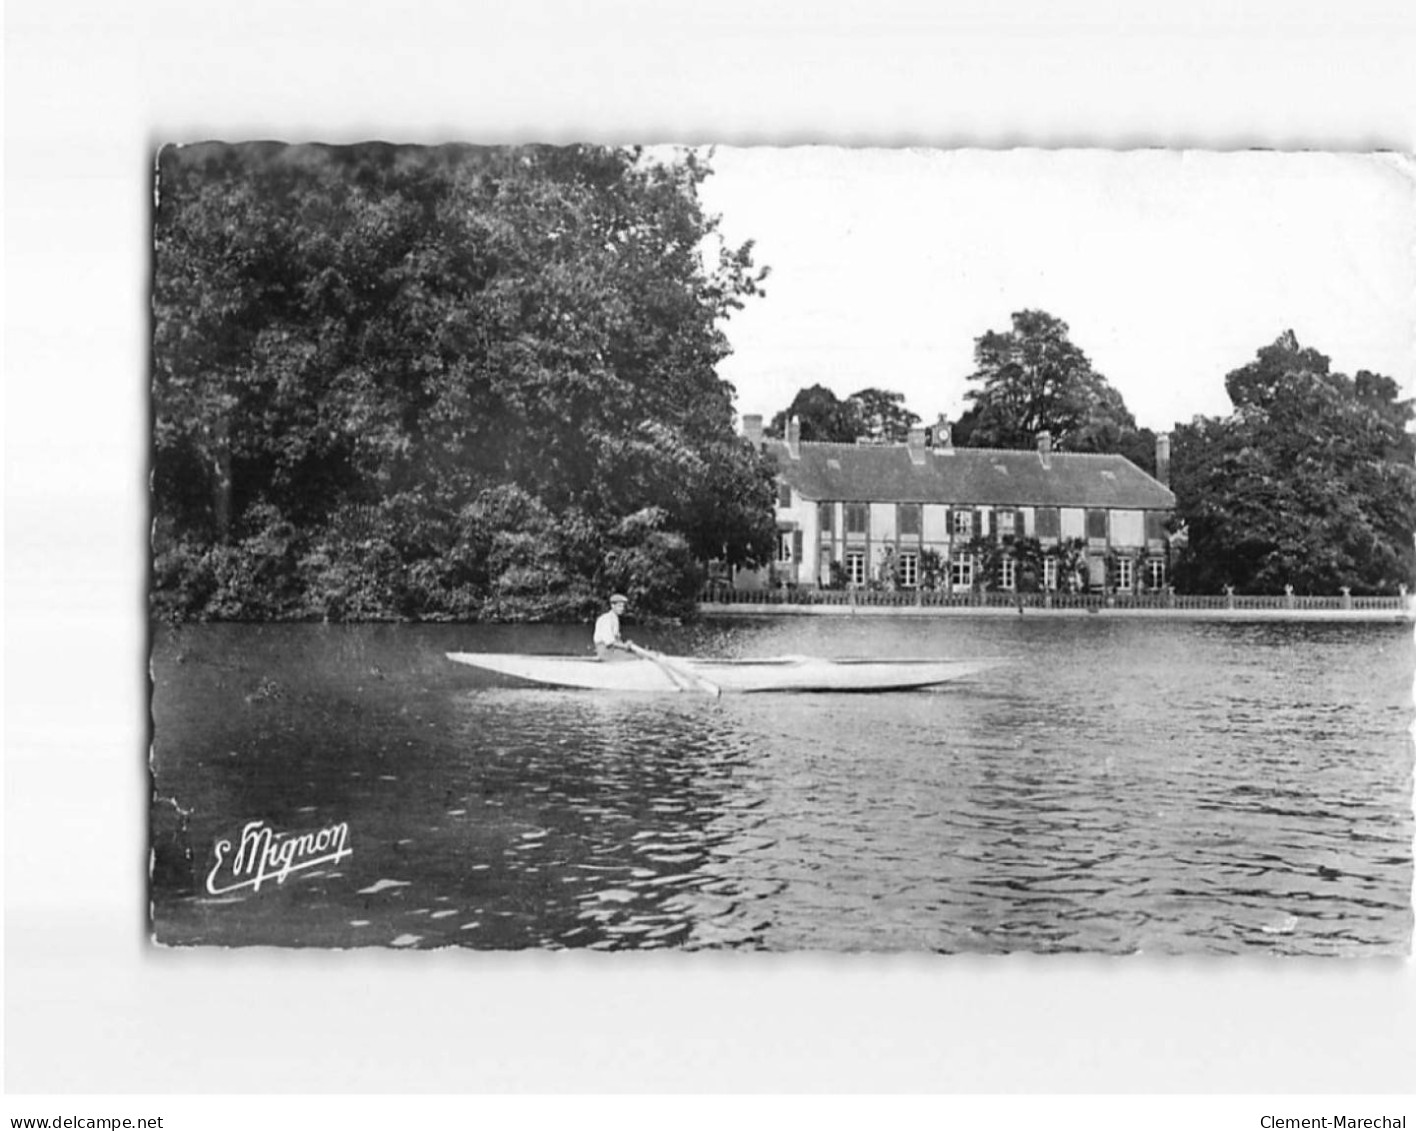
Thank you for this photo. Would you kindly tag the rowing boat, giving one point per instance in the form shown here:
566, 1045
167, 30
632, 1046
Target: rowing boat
780, 673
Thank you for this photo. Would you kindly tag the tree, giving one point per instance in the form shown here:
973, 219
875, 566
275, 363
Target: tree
731, 514
881, 416
824, 417
352, 346
1309, 482
962, 430
1032, 378
877, 415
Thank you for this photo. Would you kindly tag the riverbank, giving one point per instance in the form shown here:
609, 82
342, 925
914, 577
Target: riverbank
711, 610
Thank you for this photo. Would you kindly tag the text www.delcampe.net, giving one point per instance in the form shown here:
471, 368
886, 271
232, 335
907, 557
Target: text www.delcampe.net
76, 1122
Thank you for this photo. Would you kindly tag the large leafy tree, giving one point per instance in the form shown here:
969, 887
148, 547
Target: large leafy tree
877, 415
882, 415
1032, 378
359, 351
1309, 481
824, 417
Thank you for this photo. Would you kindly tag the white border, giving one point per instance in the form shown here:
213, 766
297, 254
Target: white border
91, 85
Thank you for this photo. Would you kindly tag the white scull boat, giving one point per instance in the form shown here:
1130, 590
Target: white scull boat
782, 673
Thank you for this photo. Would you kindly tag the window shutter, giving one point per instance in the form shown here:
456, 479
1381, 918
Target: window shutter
908, 520
796, 545
855, 520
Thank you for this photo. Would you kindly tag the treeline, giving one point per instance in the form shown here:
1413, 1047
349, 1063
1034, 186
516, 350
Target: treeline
1026, 379
462, 383
1309, 482
442, 383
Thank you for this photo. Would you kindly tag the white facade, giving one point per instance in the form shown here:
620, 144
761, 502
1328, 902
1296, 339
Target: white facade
936, 526
808, 545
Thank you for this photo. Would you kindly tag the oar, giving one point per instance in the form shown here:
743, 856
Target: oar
681, 676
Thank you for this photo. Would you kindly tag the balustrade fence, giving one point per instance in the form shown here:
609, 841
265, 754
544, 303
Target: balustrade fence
925, 598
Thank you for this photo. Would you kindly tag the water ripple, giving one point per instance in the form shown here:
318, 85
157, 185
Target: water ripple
1115, 788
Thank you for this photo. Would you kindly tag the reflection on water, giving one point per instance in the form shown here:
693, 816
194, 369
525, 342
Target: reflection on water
1113, 786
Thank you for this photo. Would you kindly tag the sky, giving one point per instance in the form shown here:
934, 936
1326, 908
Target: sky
1170, 268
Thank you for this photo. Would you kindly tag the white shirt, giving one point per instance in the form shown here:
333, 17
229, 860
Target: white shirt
607, 628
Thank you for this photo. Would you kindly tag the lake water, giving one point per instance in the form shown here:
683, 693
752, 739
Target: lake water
1116, 786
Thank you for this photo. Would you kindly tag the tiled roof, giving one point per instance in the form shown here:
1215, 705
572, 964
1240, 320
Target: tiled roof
970, 476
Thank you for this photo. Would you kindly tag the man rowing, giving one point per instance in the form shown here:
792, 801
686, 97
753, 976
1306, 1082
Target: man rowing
609, 645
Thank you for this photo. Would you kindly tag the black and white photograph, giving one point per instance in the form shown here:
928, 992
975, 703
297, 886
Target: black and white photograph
782, 549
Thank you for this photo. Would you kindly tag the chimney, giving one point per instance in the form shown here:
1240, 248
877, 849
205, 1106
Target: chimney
752, 430
916, 444
1162, 458
794, 437
943, 435
1044, 447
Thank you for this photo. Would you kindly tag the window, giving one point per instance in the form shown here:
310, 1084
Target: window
1049, 573
1155, 573
909, 570
1125, 573
826, 516
963, 524
1007, 523
1048, 522
1155, 526
1008, 573
784, 493
784, 545
1096, 525
855, 568
909, 520
857, 517
961, 570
